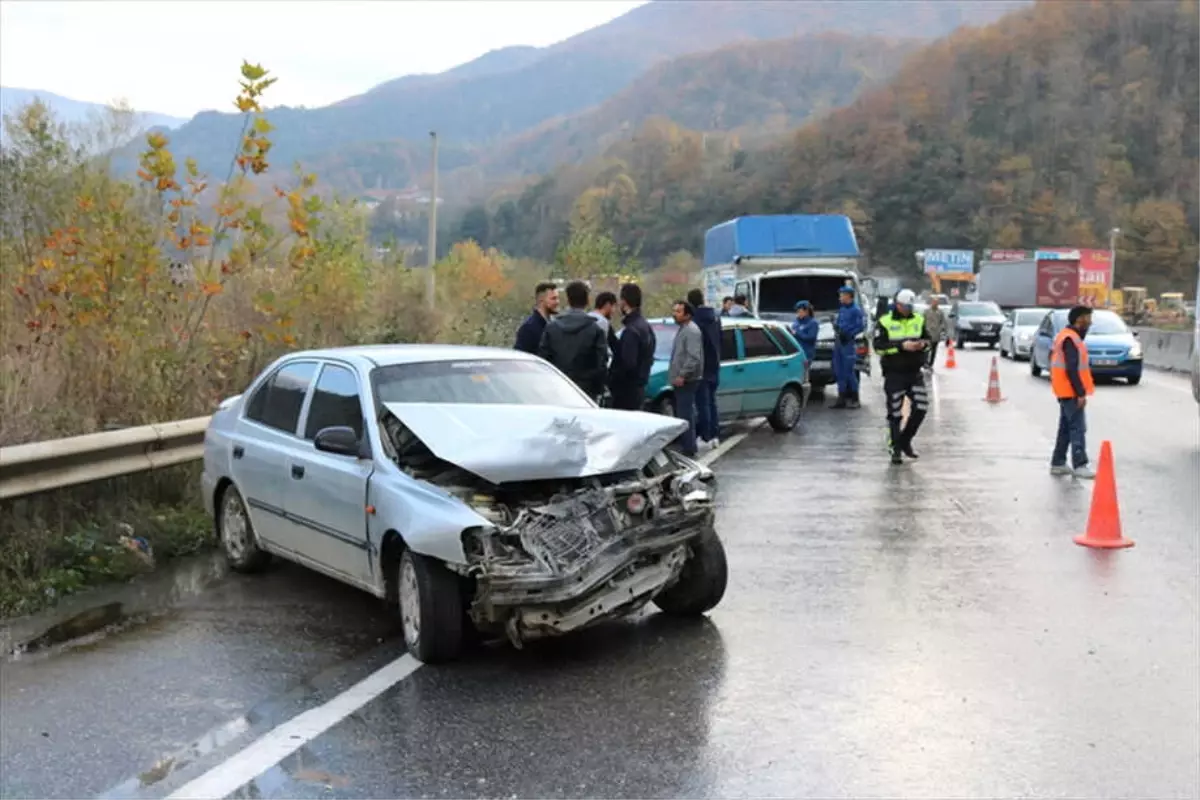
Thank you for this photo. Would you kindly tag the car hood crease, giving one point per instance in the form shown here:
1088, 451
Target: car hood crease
512, 443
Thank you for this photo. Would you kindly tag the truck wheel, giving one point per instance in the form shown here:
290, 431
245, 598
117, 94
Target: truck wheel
431, 609
702, 583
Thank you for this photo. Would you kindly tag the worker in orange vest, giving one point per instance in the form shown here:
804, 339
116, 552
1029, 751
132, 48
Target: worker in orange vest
1071, 380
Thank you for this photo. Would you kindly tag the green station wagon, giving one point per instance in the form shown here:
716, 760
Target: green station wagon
763, 372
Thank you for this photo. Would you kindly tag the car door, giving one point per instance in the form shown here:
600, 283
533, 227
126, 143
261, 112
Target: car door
1042, 342
1006, 333
327, 492
729, 388
262, 440
765, 368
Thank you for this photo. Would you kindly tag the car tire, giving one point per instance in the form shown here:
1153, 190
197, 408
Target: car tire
1134, 380
665, 405
991, 345
701, 584
431, 608
1004, 353
1034, 369
235, 532
787, 410
961, 344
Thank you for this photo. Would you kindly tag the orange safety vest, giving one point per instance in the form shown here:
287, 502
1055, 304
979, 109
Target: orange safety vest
1059, 381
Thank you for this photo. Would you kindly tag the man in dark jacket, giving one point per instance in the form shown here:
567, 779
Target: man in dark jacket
708, 420
529, 335
901, 340
574, 343
630, 368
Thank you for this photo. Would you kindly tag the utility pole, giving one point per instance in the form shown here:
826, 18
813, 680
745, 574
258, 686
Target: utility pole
431, 246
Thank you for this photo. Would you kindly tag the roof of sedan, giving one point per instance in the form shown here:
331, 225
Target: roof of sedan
384, 355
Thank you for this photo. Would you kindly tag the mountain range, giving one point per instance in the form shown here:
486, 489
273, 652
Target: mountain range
497, 110
73, 112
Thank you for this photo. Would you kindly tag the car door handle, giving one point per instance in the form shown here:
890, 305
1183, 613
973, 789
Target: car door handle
238, 451
784, 364
297, 471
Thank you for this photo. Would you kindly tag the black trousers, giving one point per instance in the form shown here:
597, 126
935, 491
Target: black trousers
933, 353
896, 387
628, 398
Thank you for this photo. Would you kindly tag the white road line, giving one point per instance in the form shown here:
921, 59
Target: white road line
288, 737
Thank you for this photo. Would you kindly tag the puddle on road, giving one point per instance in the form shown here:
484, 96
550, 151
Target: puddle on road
90, 616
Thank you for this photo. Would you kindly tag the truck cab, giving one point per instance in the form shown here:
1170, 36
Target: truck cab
773, 294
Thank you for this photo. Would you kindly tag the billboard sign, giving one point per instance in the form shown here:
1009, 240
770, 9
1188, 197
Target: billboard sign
1007, 255
1095, 266
950, 261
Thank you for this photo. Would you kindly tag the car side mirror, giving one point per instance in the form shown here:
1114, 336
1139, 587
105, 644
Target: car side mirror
339, 440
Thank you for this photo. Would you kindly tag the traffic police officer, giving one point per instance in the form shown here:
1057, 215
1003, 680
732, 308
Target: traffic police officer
849, 323
901, 340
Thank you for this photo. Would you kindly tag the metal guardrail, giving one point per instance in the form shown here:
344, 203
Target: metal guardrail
40, 466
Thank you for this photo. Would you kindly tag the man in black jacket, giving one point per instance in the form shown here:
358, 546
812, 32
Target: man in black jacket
634, 355
707, 417
529, 335
574, 343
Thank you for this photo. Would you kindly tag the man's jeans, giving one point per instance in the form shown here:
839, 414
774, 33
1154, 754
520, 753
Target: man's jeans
708, 420
1072, 425
685, 409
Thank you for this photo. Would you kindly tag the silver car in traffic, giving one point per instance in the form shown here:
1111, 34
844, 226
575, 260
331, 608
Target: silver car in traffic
471, 488
1017, 332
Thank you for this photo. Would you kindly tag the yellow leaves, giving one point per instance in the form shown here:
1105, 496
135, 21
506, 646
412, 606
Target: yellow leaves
212, 288
246, 104
84, 204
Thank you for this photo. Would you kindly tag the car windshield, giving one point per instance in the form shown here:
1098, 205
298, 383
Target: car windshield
1107, 322
1034, 317
779, 294
978, 310
501, 381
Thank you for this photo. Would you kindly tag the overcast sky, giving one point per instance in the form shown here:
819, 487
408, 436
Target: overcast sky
182, 56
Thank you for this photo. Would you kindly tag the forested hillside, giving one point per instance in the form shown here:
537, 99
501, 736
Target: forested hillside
755, 89
1050, 127
509, 91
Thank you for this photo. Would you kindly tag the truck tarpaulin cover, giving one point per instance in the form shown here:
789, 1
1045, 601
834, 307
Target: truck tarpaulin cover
1057, 278
780, 236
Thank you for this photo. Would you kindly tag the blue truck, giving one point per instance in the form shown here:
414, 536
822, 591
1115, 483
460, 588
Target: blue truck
776, 260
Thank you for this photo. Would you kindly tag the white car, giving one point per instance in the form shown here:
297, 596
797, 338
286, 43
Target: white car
471, 487
1018, 331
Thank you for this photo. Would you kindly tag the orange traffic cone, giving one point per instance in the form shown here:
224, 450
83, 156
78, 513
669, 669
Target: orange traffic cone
1104, 520
950, 362
993, 392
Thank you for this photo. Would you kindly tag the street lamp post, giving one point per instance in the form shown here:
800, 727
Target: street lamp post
1112, 257
431, 245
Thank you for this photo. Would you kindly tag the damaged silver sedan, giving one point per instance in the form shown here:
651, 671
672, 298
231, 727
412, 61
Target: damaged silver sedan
477, 490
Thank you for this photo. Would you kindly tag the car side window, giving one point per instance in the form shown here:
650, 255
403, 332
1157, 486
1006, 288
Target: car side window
728, 345
758, 344
335, 403
277, 402
1047, 326
782, 341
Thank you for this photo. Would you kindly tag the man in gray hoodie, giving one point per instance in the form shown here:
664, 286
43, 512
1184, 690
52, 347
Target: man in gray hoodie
686, 371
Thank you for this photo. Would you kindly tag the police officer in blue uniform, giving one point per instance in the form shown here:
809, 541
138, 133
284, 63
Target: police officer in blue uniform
806, 329
849, 323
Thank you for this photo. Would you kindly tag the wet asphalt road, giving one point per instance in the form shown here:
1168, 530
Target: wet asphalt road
922, 631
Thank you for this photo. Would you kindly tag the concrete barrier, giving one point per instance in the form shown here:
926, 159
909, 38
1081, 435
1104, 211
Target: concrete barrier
1170, 350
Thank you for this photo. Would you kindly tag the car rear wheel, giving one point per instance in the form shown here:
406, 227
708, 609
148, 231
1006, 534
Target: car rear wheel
236, 533
787, 410
702, 583
665, 406
431, 608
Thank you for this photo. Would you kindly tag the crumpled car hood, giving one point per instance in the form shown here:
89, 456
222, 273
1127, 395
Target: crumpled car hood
508, 443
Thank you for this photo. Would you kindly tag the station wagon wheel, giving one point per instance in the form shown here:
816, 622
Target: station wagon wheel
236, 533
665, 406
431, 608
787, 410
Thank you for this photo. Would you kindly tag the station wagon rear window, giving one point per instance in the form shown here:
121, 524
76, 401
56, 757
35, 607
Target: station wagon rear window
500, 381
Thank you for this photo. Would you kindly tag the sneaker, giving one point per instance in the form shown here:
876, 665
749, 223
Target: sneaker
1084, 472
896, 459
1060, 469
908, 451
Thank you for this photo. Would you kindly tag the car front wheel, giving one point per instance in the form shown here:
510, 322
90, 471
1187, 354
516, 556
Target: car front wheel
1034, 369
787, 410
701, 584
1134, 380
239, 542
431, 608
